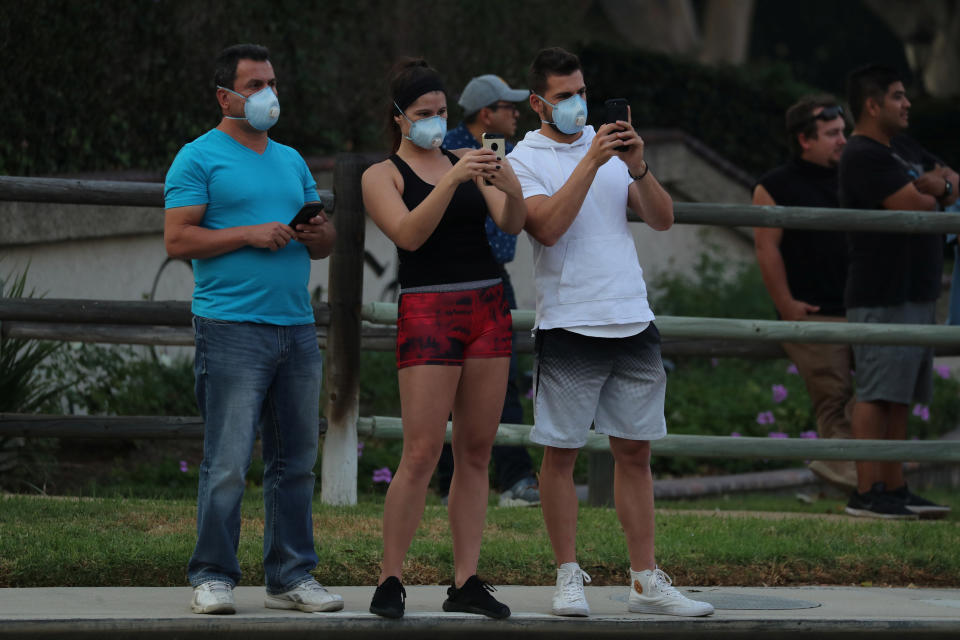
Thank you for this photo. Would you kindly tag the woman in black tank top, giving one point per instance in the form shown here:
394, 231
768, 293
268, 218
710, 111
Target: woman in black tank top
453, 339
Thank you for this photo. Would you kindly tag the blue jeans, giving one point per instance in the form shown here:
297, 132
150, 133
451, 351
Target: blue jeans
254, 378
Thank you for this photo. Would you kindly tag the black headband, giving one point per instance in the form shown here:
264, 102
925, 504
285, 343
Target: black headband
424, 85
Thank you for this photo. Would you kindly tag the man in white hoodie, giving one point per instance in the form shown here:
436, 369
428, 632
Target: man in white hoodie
597, 349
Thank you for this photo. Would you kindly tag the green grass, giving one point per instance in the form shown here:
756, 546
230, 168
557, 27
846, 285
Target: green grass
118, 542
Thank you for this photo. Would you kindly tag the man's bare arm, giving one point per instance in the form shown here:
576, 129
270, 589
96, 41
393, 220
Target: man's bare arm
183, 236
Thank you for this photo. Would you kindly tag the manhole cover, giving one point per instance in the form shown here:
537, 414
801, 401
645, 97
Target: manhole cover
733, 601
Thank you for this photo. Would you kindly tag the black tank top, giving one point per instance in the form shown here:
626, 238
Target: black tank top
457, 250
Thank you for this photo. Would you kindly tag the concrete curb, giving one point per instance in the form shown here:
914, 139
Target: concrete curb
153, 612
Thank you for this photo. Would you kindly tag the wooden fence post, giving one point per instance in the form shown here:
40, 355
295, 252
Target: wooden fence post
600, 478
338, 478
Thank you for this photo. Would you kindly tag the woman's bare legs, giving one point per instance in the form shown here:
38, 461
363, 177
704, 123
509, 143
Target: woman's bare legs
476, 416
427, 395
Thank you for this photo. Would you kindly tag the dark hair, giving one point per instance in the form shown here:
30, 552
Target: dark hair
799, 119
409, 76
552, 61
225, 68
871, 81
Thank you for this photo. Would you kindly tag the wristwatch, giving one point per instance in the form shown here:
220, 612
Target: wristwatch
947, 189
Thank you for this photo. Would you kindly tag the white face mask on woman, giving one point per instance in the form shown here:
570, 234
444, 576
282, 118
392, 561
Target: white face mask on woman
426, 133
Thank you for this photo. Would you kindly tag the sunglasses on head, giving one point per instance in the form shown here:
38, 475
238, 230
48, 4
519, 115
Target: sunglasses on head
826, 114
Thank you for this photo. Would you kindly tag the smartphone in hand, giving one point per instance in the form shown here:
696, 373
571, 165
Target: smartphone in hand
494, 142
307, 212
616, 109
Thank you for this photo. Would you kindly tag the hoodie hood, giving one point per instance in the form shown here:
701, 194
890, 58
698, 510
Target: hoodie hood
539, 141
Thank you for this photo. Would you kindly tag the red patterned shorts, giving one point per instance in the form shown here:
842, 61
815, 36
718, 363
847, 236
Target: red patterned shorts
447, 327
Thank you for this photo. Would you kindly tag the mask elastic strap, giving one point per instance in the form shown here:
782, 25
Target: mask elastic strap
238, 95
400, 111
544, 100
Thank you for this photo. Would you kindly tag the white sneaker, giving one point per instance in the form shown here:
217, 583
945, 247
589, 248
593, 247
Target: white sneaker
309, 595
213, 596
569, 599
653, 592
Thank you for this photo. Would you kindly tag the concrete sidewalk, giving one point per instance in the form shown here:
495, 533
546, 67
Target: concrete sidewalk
154, 612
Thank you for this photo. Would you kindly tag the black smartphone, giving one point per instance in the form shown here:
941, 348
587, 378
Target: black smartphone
616, 109
308, 211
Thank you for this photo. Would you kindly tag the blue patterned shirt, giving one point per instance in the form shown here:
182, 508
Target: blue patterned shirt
502, 244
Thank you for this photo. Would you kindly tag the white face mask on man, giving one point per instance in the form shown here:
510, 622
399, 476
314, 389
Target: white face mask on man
261, 110
569, 115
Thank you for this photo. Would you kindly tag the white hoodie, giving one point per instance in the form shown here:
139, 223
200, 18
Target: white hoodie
591, 277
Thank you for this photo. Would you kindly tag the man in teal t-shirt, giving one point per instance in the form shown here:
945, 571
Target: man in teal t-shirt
230, 195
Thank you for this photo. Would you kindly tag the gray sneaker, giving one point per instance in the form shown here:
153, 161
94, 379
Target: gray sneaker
308, 596
524, 493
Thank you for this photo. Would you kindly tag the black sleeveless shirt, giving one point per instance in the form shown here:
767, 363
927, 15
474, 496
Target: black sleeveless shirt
457, 250
815, 261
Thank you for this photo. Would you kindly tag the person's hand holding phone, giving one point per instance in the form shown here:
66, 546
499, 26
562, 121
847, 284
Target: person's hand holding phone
473, 164
617, 111
497, 143
632, 146
316, 233
307, 213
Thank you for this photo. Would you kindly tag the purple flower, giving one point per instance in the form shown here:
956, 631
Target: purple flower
810, 435
922, 412
183, 466
777, 434
714, 362
360, 449
779, 393
942, 370
530, 393
765, 417
734, 434
383, 475
792, 369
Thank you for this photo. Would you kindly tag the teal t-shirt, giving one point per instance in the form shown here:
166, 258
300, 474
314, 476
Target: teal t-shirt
242, 187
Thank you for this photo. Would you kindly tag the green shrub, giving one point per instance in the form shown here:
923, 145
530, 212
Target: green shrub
123, 381
718, 287
24, 389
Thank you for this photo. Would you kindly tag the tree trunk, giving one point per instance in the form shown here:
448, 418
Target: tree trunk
930, 32
726, 31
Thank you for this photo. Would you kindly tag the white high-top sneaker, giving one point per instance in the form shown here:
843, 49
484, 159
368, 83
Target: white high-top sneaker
569, 599
653, 592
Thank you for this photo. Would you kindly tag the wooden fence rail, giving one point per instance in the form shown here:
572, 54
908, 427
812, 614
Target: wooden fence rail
102, 192
680, 327
150, 194
389, 428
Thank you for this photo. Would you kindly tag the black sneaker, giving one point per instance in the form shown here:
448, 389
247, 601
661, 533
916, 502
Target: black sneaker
877, 503
920, 506
388, 599
474, 597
